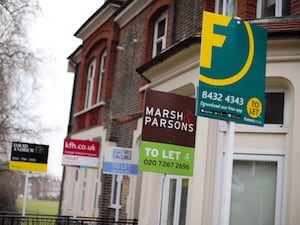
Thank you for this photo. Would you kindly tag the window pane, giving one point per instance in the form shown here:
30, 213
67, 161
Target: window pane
286, 7
101, 75
95, 197
91, 71
159, 34
220, 8
88, 93
90, 83
253, 192
268, 8
158, 47
115, 188
82, 200
161, 28
171, 203
231, 8
183, 201
274, 108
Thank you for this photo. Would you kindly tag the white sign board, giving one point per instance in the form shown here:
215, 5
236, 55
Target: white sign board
82, 153
120, 161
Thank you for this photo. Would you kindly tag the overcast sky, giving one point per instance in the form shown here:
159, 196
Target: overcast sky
53, 33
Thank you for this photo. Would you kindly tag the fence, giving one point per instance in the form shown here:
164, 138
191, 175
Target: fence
17, 219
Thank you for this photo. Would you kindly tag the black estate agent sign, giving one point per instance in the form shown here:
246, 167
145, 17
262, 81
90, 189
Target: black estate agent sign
168, 136
30, 157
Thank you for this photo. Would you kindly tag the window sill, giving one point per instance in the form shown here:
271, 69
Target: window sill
268, 128
89, 109
115, 206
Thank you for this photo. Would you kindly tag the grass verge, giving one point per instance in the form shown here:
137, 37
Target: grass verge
41, 207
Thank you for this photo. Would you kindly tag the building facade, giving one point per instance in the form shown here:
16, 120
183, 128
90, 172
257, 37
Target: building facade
131, 46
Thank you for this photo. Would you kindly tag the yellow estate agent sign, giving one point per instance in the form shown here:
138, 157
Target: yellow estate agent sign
232, 70
29, 157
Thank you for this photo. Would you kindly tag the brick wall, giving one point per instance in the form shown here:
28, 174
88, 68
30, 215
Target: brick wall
187, 18
247, 9
104, 198
103, 39
125, 93
295, 8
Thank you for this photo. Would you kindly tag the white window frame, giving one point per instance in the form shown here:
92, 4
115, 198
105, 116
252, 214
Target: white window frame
116, 191
270, 155
96, 192
83, 190
82, 199
101, 74
165, 198
278, 8
72, 202
271, 128
162, 39
279, 180
90, 84
278, 155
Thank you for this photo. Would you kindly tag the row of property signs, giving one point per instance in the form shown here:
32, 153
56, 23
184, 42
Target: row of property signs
84, 153
231, 87
167, 146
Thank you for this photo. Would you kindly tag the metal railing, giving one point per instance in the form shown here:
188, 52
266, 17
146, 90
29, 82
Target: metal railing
17, 219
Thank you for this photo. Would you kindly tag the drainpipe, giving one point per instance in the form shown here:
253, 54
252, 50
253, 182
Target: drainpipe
174, 5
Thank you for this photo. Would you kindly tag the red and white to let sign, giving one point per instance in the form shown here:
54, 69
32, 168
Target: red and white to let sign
80, 153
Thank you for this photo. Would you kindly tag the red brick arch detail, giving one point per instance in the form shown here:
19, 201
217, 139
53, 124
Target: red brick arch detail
95, 39
96, 48
157, 8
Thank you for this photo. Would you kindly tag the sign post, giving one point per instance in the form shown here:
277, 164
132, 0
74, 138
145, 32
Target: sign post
231, 81
28, 157
228, 172
120, 161
25, 193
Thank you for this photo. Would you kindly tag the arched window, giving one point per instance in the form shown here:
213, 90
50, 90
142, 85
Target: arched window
160, 34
